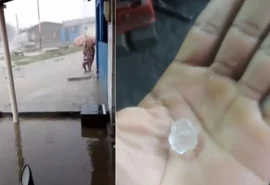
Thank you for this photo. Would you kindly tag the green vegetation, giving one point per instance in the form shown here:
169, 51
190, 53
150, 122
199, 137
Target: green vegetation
24, 60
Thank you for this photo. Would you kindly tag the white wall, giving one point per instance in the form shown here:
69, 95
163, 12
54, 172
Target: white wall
21, 38
91, 31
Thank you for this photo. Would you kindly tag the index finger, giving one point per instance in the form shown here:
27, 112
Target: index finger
205, 36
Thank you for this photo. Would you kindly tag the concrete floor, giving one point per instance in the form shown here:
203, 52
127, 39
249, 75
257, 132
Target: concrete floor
56, 152
45, 84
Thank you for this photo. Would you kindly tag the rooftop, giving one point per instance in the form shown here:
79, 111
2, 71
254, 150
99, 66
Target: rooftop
44, 22
76, 22
31, 27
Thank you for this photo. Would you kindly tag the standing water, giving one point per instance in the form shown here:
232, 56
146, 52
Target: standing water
58, 151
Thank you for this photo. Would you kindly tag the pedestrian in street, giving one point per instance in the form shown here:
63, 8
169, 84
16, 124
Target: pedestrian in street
88, 55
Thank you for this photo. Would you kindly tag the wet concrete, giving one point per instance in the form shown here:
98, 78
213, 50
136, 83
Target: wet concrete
58, 151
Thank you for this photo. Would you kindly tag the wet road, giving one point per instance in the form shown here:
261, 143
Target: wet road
46, 83
58, 151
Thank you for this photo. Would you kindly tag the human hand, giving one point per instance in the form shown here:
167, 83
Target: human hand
220, 80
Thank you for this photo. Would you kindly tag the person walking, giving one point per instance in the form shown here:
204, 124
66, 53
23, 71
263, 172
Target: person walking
88, 56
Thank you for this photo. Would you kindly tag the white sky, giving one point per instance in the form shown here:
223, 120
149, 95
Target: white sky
50, 10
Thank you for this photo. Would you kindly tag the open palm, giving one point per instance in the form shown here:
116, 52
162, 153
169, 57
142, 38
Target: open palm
220, 83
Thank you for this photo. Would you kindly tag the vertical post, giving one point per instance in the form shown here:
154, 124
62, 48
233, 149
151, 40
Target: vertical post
17, 23
113, 67
39, 26
97, 36
11, 85
18, 145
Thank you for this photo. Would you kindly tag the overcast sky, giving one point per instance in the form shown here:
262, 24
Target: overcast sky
50, 10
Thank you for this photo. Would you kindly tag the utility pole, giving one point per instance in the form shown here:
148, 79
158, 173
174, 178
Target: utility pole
39, 26
17, 23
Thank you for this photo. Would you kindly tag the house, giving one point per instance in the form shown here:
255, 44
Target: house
50, 35
74, 28
21, 37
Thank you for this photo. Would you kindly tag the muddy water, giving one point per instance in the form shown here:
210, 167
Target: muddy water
58, 151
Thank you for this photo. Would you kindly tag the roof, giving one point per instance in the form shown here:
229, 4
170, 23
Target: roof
22, 31
32, 27
77, 22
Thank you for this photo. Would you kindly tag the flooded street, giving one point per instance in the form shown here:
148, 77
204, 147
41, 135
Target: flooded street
58, 151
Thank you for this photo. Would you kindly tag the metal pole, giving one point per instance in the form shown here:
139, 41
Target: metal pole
18, 145
12, 93
39, 26
113, 67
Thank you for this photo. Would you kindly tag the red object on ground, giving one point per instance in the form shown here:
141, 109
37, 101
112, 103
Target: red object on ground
132, 15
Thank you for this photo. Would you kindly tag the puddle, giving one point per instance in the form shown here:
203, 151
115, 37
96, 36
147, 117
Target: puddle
58, 151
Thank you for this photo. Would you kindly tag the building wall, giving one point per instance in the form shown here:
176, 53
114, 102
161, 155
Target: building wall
50, 34
88, 29
102, 51
21, 38
68, 34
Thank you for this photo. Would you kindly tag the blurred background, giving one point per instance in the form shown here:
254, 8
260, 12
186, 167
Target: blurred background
139, 69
